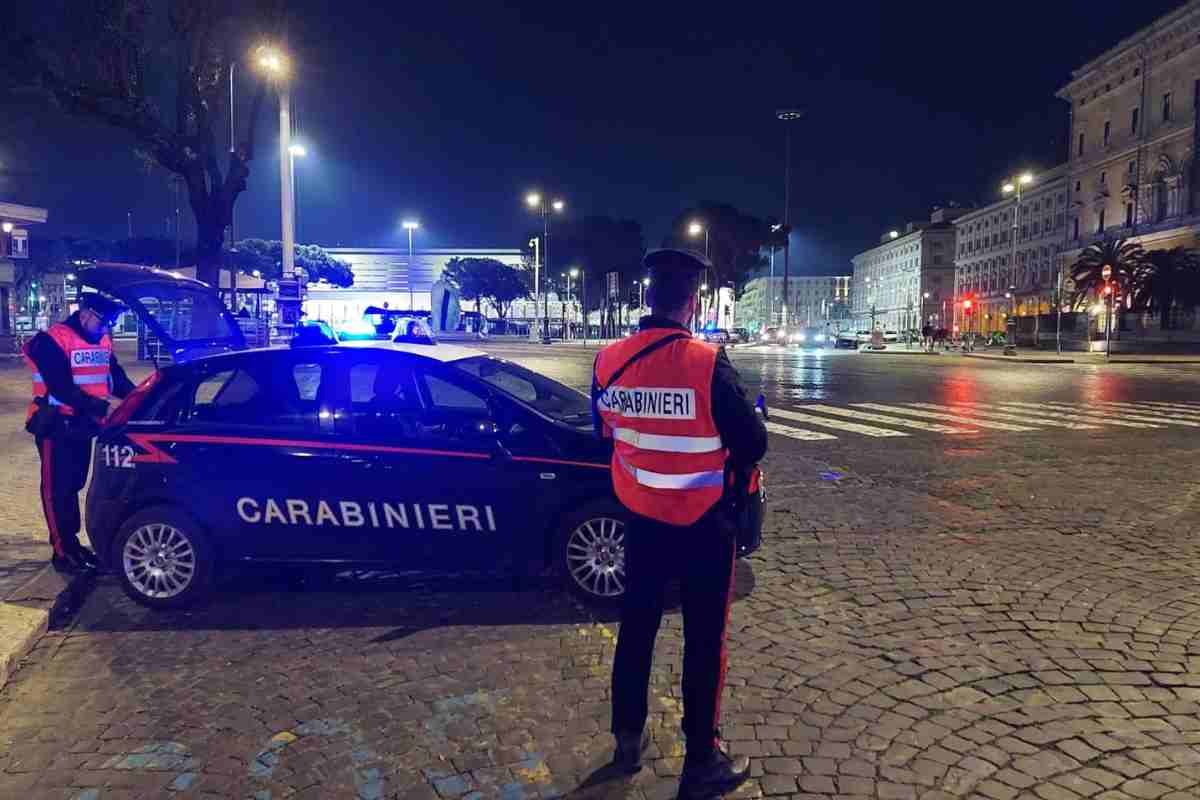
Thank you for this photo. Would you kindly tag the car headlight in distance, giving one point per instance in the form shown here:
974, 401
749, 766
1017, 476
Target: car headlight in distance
820, 337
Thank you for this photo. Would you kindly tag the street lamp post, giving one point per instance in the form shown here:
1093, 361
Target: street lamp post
535, 201
787, 116
573, 272
295, 151
410, 225
642, 284
1013, 186
776, 228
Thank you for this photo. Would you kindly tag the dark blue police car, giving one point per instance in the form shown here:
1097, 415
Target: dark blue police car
423, 457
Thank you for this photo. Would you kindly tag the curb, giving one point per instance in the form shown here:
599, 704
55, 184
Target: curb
42, 603
867, 350
1019, 359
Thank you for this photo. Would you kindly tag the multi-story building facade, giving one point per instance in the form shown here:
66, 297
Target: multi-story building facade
15, 220
1003, 276
906, 279
814, 300
1133, 138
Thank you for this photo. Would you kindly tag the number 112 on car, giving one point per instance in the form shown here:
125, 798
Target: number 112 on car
117, 455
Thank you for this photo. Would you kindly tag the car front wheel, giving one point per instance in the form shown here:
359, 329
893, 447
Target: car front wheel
591, 552
163, 558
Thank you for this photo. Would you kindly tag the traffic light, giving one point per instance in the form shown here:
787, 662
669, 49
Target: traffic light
967, 304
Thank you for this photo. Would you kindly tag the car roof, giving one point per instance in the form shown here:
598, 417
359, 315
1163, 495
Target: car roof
444, 353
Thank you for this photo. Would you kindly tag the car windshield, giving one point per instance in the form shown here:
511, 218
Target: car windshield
537, 391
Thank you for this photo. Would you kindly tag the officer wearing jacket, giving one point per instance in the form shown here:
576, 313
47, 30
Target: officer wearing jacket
75, 374
681, 426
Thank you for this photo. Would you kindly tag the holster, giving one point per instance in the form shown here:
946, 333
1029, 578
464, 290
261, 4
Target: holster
45, 419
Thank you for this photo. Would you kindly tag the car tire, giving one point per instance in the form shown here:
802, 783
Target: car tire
179, 574
589, 552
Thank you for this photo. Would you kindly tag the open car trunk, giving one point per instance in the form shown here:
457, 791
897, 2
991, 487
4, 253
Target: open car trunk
184, 314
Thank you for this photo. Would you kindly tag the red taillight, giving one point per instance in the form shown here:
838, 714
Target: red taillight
134, 401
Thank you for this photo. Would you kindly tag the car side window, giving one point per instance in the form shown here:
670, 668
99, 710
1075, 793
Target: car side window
383, 398
447, 396
277, 395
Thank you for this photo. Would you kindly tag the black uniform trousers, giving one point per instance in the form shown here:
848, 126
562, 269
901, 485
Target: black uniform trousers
65, 460
701, 556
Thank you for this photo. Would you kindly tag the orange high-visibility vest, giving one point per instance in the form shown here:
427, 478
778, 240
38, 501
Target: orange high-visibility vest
89, 366
668, 459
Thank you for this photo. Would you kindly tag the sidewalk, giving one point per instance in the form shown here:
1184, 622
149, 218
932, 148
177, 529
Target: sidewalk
1097, 359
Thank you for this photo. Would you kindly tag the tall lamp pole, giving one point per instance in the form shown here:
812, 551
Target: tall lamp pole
787, 116
410, 225
1013, 186
695, 228
535, 201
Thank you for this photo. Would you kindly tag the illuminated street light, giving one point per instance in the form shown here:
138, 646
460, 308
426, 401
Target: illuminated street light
7, 227
574, 273
645, 281
894, 234
704, 287
297, 150
537, 203
1007, 188
695, 229
410, 225
1026, 178
272, 60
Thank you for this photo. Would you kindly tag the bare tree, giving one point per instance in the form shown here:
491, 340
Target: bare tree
159, 70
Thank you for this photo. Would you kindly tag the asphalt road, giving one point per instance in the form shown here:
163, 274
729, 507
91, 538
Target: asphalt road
958, 596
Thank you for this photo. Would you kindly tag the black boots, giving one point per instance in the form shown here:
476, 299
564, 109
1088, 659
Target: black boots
628, 757
712, 775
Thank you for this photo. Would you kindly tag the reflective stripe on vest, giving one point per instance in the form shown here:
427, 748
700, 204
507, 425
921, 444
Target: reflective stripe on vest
667, 444
683, 480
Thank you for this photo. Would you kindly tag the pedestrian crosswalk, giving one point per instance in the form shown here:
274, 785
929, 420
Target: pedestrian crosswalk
824, 422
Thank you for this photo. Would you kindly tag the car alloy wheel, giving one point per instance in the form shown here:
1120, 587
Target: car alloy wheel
159, 561
596, 556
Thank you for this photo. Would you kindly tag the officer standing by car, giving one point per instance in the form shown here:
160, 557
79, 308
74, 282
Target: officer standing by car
683, 431
74, 374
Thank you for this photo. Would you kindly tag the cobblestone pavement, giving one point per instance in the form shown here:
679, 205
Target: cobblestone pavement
990, 617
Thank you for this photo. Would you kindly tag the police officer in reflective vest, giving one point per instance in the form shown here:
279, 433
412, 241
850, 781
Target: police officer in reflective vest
74, 375
680, 422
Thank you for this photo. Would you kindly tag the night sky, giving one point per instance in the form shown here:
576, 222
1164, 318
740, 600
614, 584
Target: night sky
450, 111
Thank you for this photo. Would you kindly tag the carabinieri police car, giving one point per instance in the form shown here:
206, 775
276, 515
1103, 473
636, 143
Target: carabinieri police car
418, 456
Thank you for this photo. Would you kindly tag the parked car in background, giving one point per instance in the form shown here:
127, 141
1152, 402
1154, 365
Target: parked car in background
715, 336
739, 335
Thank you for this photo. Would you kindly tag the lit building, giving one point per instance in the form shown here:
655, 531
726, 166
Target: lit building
1133, 137
14, 248
984, 266
814, 300
907, 278
384, 275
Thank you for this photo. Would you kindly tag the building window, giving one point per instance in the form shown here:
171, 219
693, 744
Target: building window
1128, 214
1133, 121
1107, 132
1100, 222
1081, 144
1166, 107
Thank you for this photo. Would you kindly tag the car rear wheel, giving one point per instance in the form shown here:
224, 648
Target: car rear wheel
163, 558
590, 552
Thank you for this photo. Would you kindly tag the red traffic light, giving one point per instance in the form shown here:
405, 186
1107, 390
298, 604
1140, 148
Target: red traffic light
967, 304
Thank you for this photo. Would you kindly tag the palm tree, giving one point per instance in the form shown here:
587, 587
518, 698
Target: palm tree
1169, 279
1127, 261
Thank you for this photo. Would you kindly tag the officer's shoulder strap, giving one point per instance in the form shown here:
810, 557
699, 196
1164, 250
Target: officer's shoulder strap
640, 354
